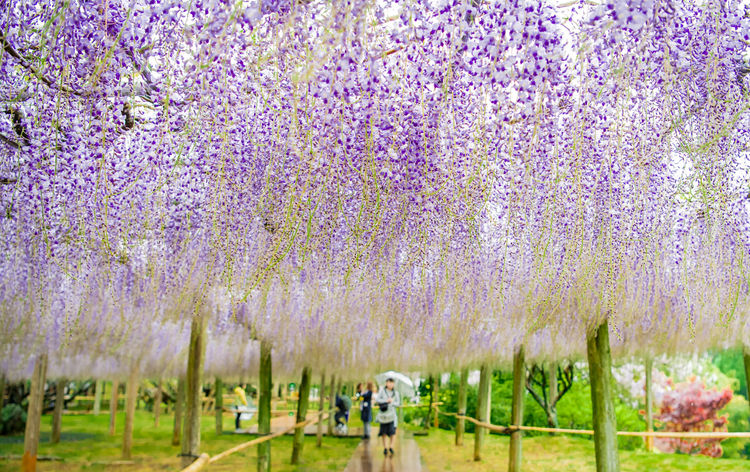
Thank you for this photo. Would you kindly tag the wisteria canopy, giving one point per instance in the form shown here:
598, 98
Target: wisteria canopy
416, 184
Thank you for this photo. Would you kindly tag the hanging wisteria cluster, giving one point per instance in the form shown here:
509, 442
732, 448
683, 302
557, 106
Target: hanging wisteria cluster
414, 184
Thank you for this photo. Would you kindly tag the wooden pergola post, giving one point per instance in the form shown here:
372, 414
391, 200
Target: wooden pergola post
331, 404
113, 401
191, 429
649, 404
746, 359
304, 399
34, 415
219, 405
157, 404
321, 407
436, 419
178, 412
265, 383
131, 394
57, 413
98, 397
516, 415
483, 409
605, 422
460, 422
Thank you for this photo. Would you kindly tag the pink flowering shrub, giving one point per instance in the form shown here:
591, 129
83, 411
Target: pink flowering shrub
690, 407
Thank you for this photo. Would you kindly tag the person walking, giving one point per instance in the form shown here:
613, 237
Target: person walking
240, 405
365, 397
388, 400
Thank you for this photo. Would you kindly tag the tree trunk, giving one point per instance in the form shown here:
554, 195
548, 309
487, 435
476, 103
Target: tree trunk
483, 409
321, 407
57, 414
304, 399
552, 402
98, 397
113, 401
331, 404
131, 394
264, 406
516, 415
34, 415
219, 405
191, 429
179, 408
157, 404
649, 405
605, 423
460, 422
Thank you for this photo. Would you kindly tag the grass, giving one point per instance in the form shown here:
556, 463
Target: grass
555, 454
86, 441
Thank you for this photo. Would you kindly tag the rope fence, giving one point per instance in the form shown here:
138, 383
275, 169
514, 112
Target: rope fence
204, 459
645, 434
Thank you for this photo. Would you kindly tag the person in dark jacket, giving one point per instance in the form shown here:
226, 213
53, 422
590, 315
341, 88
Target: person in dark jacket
365, 397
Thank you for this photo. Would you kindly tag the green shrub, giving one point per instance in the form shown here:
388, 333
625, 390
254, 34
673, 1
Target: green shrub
12, 419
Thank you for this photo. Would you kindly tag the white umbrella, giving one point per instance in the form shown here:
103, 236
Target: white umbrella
404, 386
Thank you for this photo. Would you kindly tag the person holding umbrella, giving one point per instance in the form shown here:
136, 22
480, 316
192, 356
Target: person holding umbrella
388, 399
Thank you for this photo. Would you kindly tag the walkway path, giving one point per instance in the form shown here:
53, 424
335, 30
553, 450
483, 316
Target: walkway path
368, 457
280, 423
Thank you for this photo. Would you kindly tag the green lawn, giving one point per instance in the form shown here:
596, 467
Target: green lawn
555, 454
85, 441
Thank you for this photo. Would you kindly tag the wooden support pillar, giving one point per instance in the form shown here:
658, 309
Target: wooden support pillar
131, 394
460, 422
264, 406
483, 409
516, 415
436, 419
179, 411
57, 413
605, 423
34, 415
2, 391
321, 407
427, 419
304, 399
331, 404
191, 428
219, 405
113, 401
649, 404
746, 358
98, 397
157, 404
